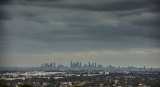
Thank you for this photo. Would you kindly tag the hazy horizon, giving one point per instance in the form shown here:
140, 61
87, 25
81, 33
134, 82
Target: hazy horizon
109, 32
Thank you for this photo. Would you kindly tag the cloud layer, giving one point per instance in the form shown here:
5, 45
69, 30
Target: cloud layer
51, 26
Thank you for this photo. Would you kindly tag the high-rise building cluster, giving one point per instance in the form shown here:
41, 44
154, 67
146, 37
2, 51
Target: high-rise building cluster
73, 65
88, 66
80, 65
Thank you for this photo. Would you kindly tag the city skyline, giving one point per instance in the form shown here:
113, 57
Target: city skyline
108, 32
54, 64
79, 64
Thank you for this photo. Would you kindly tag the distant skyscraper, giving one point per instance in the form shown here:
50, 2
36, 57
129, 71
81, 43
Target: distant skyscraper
42, 65
71, 64
95, 65
92, 64
51, 65
144, 67
80, 64
54, 64
89, 64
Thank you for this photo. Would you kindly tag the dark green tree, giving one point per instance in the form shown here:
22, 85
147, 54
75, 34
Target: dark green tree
25, 85
3, 83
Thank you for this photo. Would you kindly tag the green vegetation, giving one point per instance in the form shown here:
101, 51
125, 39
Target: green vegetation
25, 85
3, 83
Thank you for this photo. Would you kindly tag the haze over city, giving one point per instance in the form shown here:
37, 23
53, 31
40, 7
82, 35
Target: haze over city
108, 32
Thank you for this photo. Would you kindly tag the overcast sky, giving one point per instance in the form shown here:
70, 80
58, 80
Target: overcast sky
109, 32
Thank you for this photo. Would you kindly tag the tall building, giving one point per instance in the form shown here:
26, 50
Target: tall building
89, 64
51, 64
42, 65
95, 65
71, 64
54, 65
80, 65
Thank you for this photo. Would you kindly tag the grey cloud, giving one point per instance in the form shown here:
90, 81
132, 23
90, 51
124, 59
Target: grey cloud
4, 2
37, 26
85, 38
3, 16
145, 18
112, 5
54, 25
97, 5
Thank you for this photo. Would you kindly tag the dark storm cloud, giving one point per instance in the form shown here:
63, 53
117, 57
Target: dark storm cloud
156, 2
97, 5
150, 6
103, 28
84, 25
3, 16
111, 5
4, 2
